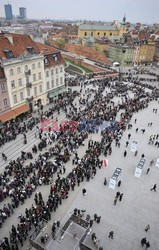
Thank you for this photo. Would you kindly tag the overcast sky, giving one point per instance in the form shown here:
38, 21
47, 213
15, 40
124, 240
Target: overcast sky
144, 11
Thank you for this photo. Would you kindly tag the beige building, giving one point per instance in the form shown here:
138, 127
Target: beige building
144, 52
24, 63
101, 30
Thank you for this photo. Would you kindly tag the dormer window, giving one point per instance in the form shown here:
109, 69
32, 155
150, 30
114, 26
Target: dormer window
8, 53
46, 60
30, 49
55, 58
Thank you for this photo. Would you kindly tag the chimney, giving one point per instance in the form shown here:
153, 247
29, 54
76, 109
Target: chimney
9, 37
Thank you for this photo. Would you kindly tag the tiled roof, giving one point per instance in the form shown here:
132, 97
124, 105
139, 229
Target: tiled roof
18, 45
97, 27
51, 61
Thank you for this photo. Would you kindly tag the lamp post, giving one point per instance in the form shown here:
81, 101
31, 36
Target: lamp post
121, 66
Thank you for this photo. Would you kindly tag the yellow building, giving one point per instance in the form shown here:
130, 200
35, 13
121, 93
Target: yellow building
144, 52
101, 30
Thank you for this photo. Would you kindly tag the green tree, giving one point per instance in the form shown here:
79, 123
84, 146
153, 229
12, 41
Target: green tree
61, 43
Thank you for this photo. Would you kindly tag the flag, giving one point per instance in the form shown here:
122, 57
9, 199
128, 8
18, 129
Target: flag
105, 163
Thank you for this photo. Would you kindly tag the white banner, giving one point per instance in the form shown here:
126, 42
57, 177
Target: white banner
133, 146
157, 163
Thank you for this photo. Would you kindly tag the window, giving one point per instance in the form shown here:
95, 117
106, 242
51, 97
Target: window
18, 70
48, 85
28, 92
52, 83
34, 77
30, 49
40, 88
56, 58
8, 53
104, 33
27, 79
91, 33
61, 80
11, 72
5, 102
20, 82
45, 60
26, 67
39, 64
35, 90
2, 86
52, 72
61, 69
39, 75
57, 70
13, 84
47, 73
85, 33
33, 66
111, 34
15, 99
57, 81
98, 33
21, 96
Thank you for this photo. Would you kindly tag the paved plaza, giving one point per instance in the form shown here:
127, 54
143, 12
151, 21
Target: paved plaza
128, 218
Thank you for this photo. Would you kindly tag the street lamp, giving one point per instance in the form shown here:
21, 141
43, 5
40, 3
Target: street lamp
121, 66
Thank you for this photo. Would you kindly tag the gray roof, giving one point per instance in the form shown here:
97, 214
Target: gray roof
97, 27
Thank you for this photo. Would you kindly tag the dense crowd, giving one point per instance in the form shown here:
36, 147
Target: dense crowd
19, 181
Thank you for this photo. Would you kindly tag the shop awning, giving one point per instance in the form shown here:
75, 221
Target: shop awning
12, 114
22, 109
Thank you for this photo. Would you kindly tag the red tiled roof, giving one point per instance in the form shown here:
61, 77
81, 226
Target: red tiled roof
19, 44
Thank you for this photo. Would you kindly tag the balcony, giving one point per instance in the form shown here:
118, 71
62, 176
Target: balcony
27, 72
30, 98
28, 84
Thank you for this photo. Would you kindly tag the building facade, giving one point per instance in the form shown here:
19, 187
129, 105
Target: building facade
144, 52
122, 54
4, 95
54, 76
156, 57
32, 72
22, 13
8, 11
101, 30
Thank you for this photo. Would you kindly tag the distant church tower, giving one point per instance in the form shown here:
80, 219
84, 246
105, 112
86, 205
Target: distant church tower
124, 19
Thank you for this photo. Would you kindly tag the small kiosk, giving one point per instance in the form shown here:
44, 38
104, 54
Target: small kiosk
138, 170
115, 178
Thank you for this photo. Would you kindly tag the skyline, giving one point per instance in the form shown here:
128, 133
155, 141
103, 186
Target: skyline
144, 11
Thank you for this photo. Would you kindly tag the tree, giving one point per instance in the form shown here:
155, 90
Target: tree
60, 43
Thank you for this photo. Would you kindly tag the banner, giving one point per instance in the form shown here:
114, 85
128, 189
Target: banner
133, 146
105, 163
157, 163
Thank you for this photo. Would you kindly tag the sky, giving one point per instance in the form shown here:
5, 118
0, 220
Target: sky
144, 11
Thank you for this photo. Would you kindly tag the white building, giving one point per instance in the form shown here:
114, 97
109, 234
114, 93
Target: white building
34, 72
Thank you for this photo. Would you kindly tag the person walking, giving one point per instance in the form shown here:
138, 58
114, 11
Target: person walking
84, 191
147, 244
154, 187
147, 170
125, 153
147, 228
120, 197
143, 241
115, 200
111, 234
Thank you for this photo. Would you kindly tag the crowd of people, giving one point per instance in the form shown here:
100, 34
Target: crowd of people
20, 180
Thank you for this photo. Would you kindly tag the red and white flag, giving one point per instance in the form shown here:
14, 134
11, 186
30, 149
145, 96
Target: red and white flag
105, 163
